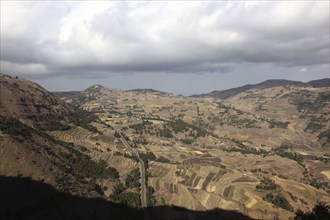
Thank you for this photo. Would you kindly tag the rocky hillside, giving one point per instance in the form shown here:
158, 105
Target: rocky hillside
29, 114
24, 99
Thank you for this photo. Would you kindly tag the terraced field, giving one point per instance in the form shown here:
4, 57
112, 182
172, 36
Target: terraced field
219, 153
207, 188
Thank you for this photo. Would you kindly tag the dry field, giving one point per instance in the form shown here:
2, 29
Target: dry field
220, 150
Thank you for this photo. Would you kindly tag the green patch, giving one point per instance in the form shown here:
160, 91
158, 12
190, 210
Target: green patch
14, 127
279, 201
267, 184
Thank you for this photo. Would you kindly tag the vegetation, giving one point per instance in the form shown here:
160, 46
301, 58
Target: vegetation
128, 198
293, 197
151, 156
151, 200
117, 135
82, 98
326, 136
120, 194
321, 211
132, 179
82, 118
77, 117
245, 150
141, 127
306, 102
83, 165
140, 140
223, 106
14, 127
165, 132
163, 160
52, 123
283, 152
130, 156
187, 141
279, 201
277, 124
314, 125
147, 156
267, 184
178, 125
236, 121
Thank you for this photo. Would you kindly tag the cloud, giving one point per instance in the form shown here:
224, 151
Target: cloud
80, 38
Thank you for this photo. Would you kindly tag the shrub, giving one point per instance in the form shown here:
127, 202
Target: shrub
320, 212
14, 127
133, 179
267, 184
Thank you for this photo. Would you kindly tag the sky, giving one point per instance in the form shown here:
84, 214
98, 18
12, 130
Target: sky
183, 47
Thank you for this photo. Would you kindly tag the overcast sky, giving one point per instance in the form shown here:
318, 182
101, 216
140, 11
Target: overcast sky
183, 47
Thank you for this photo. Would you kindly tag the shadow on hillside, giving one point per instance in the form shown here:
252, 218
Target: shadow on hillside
23, 198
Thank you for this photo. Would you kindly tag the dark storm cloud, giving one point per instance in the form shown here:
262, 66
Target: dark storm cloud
86, 38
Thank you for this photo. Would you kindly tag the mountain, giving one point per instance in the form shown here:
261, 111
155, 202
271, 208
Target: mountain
320, 83
225, 94
94, 88
78, 98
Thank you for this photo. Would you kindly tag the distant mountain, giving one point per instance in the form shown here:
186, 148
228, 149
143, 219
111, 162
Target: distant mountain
94, 88
66, 94
145, 91
69, 94
78, 98
224, 94
320, 83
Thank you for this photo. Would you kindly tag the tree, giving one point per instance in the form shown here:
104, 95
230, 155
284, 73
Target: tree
320, 212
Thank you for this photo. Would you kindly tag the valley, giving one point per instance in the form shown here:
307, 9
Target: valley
262, 152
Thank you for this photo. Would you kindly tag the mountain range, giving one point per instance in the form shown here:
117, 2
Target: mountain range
224, 94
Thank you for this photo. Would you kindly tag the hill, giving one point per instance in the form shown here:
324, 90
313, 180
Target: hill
29, 114
21, 98
225, 94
